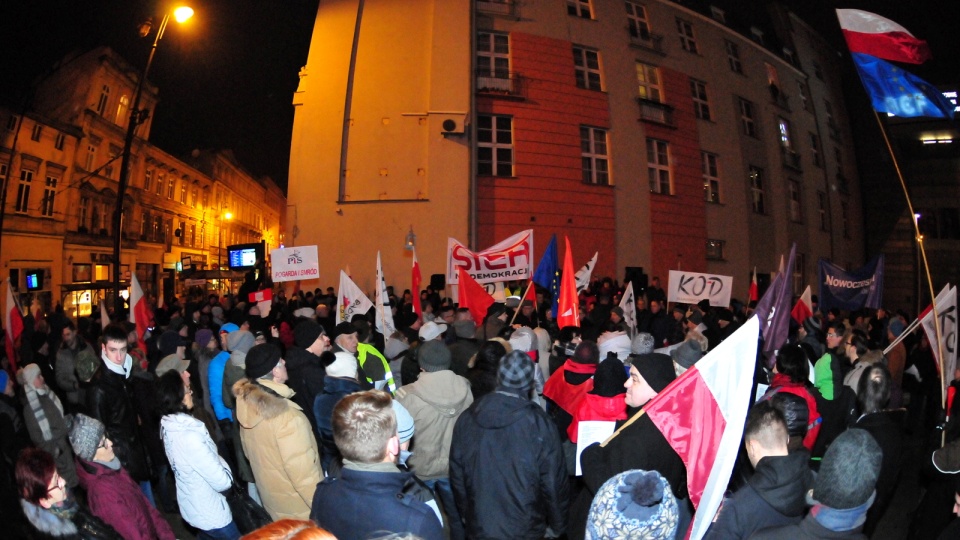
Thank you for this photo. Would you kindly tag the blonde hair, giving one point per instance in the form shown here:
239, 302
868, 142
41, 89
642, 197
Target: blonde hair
290, 529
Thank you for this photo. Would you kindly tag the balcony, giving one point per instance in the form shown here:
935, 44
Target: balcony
500, 8
791, 159
654, 111
500, 83
644, 39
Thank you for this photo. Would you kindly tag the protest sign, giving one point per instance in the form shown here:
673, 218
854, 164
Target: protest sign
692, 287
511, 259
291, 264
852, 290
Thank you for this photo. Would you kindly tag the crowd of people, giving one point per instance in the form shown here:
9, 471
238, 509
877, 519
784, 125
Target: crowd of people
452, 427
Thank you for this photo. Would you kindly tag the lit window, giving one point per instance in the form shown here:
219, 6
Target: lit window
701, 105
183, 192
687, 39
171, 187
494, 145
784, 128
587, 67
123, 110
91, 158
593, 154
160, 178
711, 177
648, 81
658, 167
715, 249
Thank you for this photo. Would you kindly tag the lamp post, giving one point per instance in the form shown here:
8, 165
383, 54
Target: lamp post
180, 14
224, 215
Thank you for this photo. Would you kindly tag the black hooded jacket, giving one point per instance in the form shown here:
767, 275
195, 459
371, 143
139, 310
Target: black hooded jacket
774, 496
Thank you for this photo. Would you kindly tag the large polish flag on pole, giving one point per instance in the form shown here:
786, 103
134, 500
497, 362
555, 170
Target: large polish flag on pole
415, 279
701, 414
869, 33
139, 312
13, 324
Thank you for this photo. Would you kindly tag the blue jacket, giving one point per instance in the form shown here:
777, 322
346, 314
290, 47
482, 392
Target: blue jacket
334, 389
365, 504
215, 380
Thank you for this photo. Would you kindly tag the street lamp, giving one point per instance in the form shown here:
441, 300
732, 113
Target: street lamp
224, 215
137, 117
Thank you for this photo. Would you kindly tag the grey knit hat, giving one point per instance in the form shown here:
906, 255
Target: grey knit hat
687, 354
849, 471
434, 356
85, 436
642, 344
633, 504
516, 371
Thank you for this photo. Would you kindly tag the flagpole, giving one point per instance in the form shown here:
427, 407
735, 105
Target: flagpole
521, 303
903, 335
923, 254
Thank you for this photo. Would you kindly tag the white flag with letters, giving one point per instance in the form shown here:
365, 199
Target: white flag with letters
583, 275
350, 300
629, 306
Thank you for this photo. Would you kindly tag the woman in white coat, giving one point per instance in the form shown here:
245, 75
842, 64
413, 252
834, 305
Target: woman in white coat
200, 472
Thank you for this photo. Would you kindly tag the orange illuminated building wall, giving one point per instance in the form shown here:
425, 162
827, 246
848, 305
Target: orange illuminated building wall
547, 193
678, 222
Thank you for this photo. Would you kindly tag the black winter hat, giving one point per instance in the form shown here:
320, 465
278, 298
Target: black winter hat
261, 359
343, 328
610, 377
306, 332
655, 368
849, 471
586, 353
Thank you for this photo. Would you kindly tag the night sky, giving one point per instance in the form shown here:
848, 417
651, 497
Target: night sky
227, 77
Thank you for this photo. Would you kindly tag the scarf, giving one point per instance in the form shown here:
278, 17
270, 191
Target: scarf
36, 407
123, 370
841, 520
113, 464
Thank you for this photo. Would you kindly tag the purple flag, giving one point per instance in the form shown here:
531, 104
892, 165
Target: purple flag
774, 310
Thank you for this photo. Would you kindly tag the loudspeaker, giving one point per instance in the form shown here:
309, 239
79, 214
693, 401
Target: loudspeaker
437, 282
635, 275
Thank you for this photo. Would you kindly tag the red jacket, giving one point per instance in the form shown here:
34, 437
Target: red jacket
567, 396
115, 498
594, 407
782, 383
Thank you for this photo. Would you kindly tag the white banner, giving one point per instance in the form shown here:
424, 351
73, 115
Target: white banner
629, 306
947, 312
510, 260
350, 300
293, 263
692, 287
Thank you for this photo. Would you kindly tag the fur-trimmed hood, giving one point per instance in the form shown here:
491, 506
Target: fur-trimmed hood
261, 400
47, 522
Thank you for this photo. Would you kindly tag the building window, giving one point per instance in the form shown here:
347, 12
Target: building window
799, 281
756, 35
58, 143
171, 187
145, 226
796, 207
37, 131
658, 167
160, 178
648, 80
587, 66
756, 190
182, 230
494, 145
123, 110
746, 118
637, 21
195, 195
845, 219
815, 150
83, 212
687, 39
49, 197
715, 249
579, 8
104, 98
701, 105
148, 180
23, 192
192, 238
12, 122
91, 158
158, 229
733, 56
784, 127
493, 55
593, 154
711, 177
822, 209
183, 192
804, 94
206, 197
718, 15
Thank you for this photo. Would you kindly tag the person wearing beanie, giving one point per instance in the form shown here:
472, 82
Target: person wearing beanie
506, 444
215, 373
776, 493
276, 436
340, 381
493, 322
634, 504
791, 373
642, 344
843, 491
372, 495
45, 420
897, 355
565, 389
640, 445
605, 401
436, 401
238, 343
463, 346
112, 495
686, 355
811, 333
304, 366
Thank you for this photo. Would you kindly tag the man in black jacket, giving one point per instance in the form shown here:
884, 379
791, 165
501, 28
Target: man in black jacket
506, 464
304, 366
111, 400
775, 494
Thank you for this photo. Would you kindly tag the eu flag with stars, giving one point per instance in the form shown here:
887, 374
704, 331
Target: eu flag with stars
547, 274
899, 92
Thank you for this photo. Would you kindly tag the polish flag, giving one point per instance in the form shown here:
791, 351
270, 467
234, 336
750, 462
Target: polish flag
473, 296
416, 278
869, 33
701, 414
946, 302
754, 290
803, 309
139, 312
14, 325
569, 305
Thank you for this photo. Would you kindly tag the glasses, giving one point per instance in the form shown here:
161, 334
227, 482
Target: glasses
831, 334
59, 483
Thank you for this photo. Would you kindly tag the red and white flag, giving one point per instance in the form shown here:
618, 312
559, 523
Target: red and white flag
140, 314
946, 302
13, 323
869, 33
569, 305
473, 296
803, 309
415, 279
754, 290
701, 414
